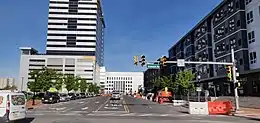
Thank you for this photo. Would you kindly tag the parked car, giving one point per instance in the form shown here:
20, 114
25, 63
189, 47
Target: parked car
13, 106
51, 97
83, 95
78, 96
72, 96
64, 97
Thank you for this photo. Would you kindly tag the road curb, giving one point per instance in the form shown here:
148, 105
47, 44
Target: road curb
246, 116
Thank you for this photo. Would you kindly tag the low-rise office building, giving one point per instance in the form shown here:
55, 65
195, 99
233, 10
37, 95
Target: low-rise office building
83, 66
124, 82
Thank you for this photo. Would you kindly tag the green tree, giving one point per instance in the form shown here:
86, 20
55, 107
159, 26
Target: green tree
83, 85
162, 82
47, 78
69, 81
94, 88
34, 84
59, 80
183, 83
166, 81
76, 83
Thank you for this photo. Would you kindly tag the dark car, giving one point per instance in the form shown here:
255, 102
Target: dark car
51, 97
83, 95
78, 96
72, 96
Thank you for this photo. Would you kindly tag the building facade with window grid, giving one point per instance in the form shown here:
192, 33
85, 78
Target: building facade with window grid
82, 66
76, 27
124, 82
75, 41
232, 24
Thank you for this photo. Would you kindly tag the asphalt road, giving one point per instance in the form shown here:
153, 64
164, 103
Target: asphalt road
127, 110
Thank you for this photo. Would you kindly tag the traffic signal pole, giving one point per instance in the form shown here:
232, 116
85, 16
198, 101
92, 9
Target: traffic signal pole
182, 64
234, 79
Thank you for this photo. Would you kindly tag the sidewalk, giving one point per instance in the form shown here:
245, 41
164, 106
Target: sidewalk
30, 106
249, 113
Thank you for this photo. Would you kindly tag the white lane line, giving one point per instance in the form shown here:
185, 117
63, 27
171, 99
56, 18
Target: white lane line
84, 108
145, 115
165, 115
97, 102
102, 105
81, 102
128, 114
58, 109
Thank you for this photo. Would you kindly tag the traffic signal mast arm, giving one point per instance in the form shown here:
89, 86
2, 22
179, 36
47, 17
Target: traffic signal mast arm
193, 62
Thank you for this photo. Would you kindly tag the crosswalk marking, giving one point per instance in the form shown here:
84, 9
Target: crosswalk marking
84, 108
145, 115
165, 114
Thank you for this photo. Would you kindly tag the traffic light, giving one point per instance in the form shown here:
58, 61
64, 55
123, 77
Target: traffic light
163, 60
136, 60
229, 72
142, 60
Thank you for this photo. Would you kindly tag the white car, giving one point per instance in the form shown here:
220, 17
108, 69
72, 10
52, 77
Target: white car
12, 106
115, 96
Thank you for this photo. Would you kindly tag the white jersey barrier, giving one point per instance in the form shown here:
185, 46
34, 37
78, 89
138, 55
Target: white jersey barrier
200, 108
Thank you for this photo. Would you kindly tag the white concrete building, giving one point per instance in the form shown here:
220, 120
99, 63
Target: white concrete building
124, 82
83, 66
6, 81
102, 79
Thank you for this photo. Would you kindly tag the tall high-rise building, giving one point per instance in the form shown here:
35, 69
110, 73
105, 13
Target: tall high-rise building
75, 42
76, 27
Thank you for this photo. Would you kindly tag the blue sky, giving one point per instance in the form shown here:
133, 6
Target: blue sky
133, 27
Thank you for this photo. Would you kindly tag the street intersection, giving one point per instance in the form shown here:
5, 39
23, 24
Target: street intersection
128, 109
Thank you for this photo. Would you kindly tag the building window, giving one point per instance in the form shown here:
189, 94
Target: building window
251, 37
239, 42
250, 17
248, 1
231, 25
252, 57
233, 43
241, 61
238, 23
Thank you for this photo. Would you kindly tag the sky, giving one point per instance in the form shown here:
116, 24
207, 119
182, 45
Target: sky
133, 27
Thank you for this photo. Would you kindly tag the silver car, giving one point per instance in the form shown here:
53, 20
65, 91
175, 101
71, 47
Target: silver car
64, 97
115, 96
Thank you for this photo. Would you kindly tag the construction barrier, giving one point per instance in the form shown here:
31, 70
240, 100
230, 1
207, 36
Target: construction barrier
200, 108
220, 107
138, 96
179, 102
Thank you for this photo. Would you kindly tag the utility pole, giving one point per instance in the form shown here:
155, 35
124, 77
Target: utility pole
22, 84
234, 79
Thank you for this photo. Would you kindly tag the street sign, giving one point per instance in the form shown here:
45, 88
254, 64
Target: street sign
198, 89
180, 62
153, 66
